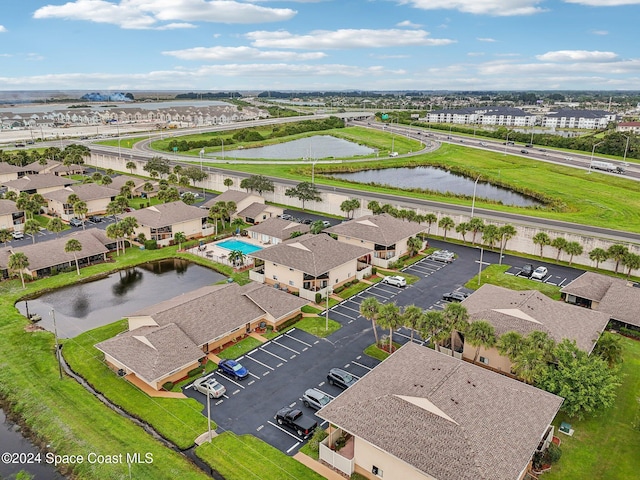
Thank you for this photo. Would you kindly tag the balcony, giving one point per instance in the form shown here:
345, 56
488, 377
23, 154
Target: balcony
341, 459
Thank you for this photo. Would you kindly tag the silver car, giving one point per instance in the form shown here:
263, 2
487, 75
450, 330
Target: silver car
314, 398
443, 256
209, 386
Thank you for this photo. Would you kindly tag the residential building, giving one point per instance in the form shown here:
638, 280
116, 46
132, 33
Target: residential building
503, 116
423, 415
53, 167
200, 322
11, 217
527, 311
385, 235
275, 230
311, 264
161, 222
97, 197
9, 172
617, 298
39, 183
573, 118
250, 207
632, 127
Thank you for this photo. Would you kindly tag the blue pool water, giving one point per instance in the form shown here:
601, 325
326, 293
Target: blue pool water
245, 248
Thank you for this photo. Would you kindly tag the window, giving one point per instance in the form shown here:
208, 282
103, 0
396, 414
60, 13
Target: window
484, 360
275, 277
291, 282
376, 471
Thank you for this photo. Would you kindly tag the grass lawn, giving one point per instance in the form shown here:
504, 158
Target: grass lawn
240, 348
353, 290
410, 278
317, 326
244, 457
494, 274
606, 447
375, 352
310, 309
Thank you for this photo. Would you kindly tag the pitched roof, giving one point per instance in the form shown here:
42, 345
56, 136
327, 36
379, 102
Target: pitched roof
253, 210
8, 207
44, 180
381, 229
529, 310
591, 286
118, 181
312, 254
86, 192
152, 352
231, 196
445, 417
9, 168
165, 214
279, 228
211, 311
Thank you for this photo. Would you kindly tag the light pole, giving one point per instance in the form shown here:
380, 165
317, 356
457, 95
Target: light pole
326, 326
626, 149
209, 415
506, 143
202, 155
480, 266
473, 201
313, 168
222, 140
55, 334
119, 154
592, 153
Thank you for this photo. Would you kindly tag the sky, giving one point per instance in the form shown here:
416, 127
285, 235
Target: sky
319, 45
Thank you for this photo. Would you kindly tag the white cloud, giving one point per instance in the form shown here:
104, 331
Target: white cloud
577, 56
149, 14
2, 29
489, 40
217, 54
599, 32
408, 24
345, 38
499, 8
475, 54
604, 3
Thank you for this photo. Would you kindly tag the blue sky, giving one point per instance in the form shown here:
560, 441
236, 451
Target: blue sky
319, 45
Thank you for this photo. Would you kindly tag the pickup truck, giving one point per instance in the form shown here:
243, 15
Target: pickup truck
296, 421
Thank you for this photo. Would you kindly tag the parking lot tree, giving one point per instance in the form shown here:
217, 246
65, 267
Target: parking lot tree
194, 174
350, 206
55, 225
411, 318
598, 255
316, 227
414, 245
179, 238
74, 246
177, 169
609, 348
32, 227
227, 182
172, 179
106, 180
430, 218
573, 248
390, 316
480, 334
559, 243
305, 192
490, 234
374, 206
507, 232
631, 261
446, 224
476, 224
463, 228
456, 320
586, 382
369, 309
18, 261
432, 327
188, 198
131, 166
616, 253
81, 210
5, 236
183, 181
542, 239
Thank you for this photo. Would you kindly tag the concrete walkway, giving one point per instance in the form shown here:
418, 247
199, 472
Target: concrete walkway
150, 391
258, 337
318, 467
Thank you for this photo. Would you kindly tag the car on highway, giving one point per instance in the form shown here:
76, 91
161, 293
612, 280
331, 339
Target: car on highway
209, 386
539, 273
524, 151
526, 271
233, 369
455, 296
314, 398
75, 222
340, 378
395, 280
443, 256
17, 235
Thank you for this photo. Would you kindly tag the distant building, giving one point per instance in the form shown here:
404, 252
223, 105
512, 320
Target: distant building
632, 127
499, 116
571, 118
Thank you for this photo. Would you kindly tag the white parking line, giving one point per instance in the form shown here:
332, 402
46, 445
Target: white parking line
382, 296
294, 446
259, 428
282, 429
343, 314
284, 346
363, 366
235, 383
254, 376
258, 361
297, 340
352, 309
219, 402
330, 396
273, 354
560, 284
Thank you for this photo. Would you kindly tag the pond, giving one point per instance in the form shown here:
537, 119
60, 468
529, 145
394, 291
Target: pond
85, 306
439, 180
316, 146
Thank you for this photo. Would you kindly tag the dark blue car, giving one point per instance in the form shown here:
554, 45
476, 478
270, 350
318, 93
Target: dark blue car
233, 369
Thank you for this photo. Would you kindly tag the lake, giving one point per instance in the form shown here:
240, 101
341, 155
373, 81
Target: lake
85, 306
316, 146
437, 179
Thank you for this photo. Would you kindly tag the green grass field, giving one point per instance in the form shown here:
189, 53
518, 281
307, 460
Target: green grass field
494, 274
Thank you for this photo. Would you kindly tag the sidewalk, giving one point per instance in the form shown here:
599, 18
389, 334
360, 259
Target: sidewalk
318, 467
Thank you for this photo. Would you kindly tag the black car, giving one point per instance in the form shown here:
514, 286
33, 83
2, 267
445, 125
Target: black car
527, 270
95, 219
340, 378
455, 296
307, 221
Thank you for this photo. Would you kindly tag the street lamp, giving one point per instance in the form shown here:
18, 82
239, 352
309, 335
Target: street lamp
506, 143
626, 149
119, 154
329, 292
222, 140
480, 266
313, 168
55, 334
592, 153
473, 201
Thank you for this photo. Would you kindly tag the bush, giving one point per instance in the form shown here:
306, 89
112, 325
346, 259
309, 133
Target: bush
630, 332
150, 245
314, 442
195, 372
374, 270
318, 298
168, 386
397, 265
553, 453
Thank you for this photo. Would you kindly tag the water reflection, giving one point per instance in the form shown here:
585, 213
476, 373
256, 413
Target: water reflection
88, 305
317, 146
438, 180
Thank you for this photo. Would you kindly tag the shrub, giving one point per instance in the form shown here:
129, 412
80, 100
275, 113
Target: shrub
314, 442
374, 270
553, 453
318, 298
195, 372
150, 245
397, 265
629, 332
168, 386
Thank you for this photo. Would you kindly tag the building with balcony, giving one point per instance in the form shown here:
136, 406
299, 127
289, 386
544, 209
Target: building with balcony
97, 197
11, 217
276, 230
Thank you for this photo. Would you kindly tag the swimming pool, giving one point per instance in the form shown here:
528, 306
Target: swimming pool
244, 247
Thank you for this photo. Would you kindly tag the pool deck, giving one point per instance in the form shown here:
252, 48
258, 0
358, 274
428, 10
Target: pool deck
219, 254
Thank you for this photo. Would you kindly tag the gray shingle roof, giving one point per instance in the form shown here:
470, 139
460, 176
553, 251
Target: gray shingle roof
253, 210
44, 180
7, 207
445, 417
152, 352
381, 229
165, 214
86, 192
529, 310
229, 196
589, 285
8, 168
279, 228
312, 254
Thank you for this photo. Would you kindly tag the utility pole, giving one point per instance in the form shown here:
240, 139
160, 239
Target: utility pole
55, 333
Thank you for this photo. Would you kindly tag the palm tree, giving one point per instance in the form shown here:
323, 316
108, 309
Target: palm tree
237, 257
542, 342
414, 245
179, 237
55, 225
463, 228
507, 232
80, 209
609, 348
96, 177
374, 206
74, 246
480, 334
573, 248
106, 180
476, 224
316, 227
238, 223
5, 236
631, 261
446, 223
18, 261
131, 166
227, 183
32, 227
598, 255
617, 252
390, 317
229, 208
113, 231
510, 344
412, 316
433, 327
430, 218
457, 320
369, 309
529, 364
215, 213
542, 239
128, 227
490, 234
560, 244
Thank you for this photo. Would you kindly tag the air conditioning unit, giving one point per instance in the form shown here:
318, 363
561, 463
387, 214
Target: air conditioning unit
121, 372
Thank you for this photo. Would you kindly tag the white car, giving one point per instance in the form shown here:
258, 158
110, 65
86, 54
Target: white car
539, 273
17, 235
396, 281
443, 256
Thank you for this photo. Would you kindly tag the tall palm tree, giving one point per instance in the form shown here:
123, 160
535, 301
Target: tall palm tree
369, 309
113, 231
631, 261
463, 228
598, 255
5, 236
617, 252
179, 237
480, 334
18, 261
510, 344
131, 166
559, 243
609, 348
414, 245
430, 218
476, 224
215, 213
573, 248
128, 226
446, 223
390, 317
237, 257
411, 317
80, 209
457, 320
529, 364
542, 239
433, 328
490, 234
55, 225
237, 223
74, 246
507, 232
229, 208
227, 183
32, 227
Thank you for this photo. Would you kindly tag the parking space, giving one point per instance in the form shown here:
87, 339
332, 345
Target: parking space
556, 275
424, 267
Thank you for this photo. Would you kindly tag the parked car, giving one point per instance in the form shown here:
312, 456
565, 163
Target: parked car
75, 222
209, 386
539, 273
443, 256
95, 219
326, 223
527, 270
286, 216
233, 369
313, 398
307, 221
455, 296
340, 378
296, 421
395, 280
17, 235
